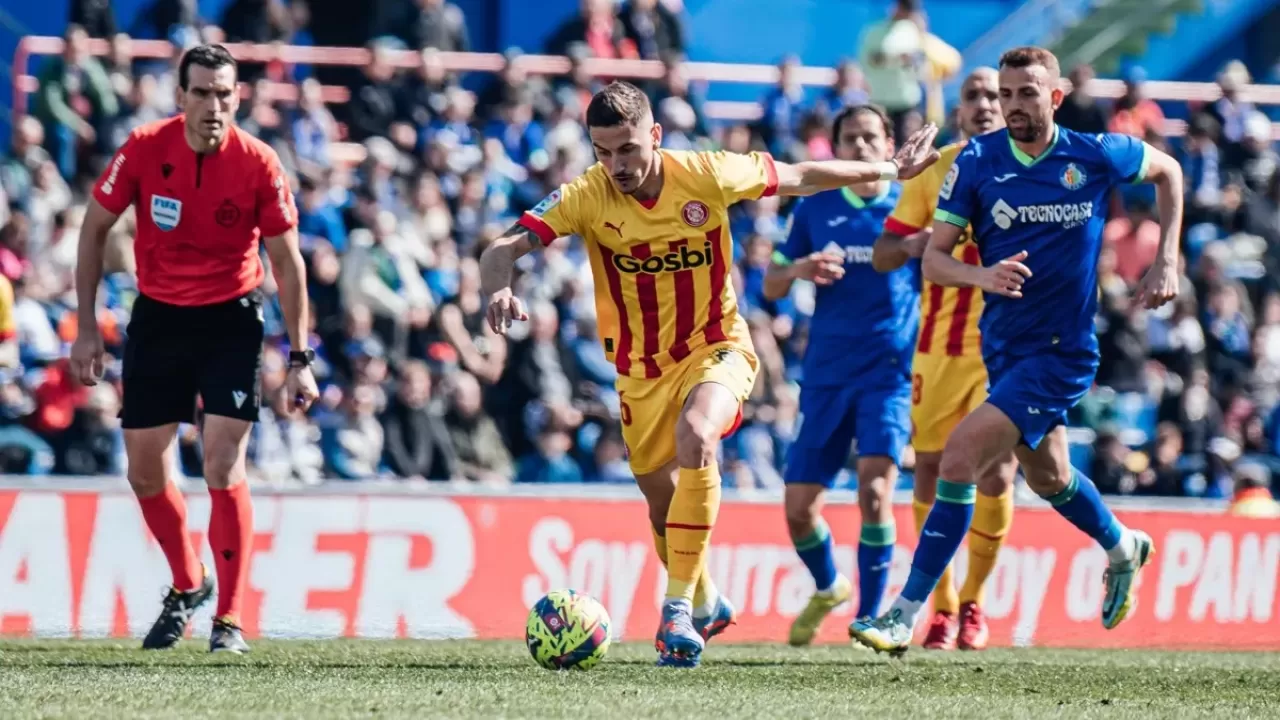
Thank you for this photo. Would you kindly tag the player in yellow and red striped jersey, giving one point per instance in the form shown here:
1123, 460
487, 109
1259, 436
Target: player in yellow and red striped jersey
948, 376
656, 226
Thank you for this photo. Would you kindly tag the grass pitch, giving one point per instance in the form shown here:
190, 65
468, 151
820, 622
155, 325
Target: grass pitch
342, 679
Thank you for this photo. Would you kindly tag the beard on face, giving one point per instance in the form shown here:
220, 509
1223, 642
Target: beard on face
1031, 128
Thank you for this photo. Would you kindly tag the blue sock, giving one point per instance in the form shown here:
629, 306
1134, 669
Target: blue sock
940, 537
815, 552
875, 555
1082, 506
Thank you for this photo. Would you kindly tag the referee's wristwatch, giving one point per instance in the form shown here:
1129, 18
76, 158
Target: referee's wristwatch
301, 358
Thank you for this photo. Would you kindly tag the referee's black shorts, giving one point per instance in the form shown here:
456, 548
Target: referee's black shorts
174, 353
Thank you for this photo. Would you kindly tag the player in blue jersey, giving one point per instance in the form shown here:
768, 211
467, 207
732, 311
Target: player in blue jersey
1036, 196
856, 373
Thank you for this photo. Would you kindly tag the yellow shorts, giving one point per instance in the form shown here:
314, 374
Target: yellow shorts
943, 390
650, 408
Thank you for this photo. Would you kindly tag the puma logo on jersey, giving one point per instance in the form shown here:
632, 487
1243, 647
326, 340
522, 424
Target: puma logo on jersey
616, 228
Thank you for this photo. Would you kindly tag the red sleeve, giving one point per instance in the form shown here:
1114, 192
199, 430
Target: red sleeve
897, 227
118, 185
537, 227
771, 177
277, 213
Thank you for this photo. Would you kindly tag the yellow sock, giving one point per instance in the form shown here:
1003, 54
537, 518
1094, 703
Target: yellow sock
992, 518
944, 595
704, 590
689, 521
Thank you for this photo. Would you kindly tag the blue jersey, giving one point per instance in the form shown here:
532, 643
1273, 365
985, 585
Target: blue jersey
1053, 207
866, 320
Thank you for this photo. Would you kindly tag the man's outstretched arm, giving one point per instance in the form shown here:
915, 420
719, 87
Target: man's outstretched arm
814, 176
496, 263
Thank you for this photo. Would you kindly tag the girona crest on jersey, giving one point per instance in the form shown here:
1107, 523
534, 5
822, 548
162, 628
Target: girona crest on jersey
695, 213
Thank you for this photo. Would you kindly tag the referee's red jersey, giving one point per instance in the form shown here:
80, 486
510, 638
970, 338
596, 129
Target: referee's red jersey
200, 216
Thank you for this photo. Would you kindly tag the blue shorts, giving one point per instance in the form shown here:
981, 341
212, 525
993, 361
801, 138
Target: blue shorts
831, 418
1036, 391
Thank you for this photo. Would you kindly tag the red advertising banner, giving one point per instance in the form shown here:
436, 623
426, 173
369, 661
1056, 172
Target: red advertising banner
82, 564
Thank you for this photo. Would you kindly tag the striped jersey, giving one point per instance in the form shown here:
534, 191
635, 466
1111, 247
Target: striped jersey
661, 269
948, 316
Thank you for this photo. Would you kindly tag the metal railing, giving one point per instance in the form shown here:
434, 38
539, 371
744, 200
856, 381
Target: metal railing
30, 46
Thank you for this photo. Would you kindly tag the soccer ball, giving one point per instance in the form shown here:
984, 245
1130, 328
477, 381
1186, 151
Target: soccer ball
567, 630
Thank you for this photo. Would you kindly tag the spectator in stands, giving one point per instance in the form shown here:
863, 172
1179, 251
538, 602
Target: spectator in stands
1080, 110
654, 30
417, 445
1175, 337
429, 215
22, 451
1201, 167
26, 156
119, 64
550, 462
353, 440
428, 24
1165, 476
313, 127
481, 450
462, 322
609, 463
1229, 110
373, 102
1229, 331
1134, 113
598, 27
162, 16
850, 88
892, 55
74, 102
1252, 493
784, 109
1264, 381
140, 107
512, 83
96, 17
318, 215
521, 135
1253, 160
1135, 236
255, 21
284, 446
379, 273
534, 391
675, 84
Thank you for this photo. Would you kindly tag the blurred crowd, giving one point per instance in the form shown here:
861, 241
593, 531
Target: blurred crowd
401, 186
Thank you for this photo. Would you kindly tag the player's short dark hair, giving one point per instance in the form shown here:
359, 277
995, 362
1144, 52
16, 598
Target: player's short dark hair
850, 111
619, 103
212, 56
1030, 55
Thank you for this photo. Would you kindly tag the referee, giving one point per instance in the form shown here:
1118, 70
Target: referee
205, 192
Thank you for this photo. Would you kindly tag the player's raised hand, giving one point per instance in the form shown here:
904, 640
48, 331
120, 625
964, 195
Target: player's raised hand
821, 268
917, 153
504, 309
1006, 277
1159, 285
86, 357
